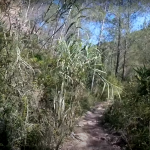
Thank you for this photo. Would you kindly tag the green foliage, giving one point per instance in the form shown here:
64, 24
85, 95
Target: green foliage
46, 84
131, 114
41, 93
143, 77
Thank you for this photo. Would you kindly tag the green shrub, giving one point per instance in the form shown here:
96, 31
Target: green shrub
143, 77
131, 114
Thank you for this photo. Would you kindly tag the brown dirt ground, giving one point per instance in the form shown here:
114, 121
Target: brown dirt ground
90, 134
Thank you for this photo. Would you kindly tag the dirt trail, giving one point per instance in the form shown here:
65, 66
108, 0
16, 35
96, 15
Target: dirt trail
90, 133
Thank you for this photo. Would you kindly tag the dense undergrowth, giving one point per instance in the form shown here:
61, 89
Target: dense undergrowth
49, 78
43, 90
131, 115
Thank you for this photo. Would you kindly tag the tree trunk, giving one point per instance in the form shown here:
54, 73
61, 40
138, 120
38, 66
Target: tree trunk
118, 46
126, 40
124, 60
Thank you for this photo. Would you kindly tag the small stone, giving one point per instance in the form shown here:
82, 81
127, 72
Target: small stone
103, 138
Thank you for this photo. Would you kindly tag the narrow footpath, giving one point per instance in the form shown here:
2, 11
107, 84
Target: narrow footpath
90, 134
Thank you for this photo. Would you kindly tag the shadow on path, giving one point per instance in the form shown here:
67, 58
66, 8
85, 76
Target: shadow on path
90, 134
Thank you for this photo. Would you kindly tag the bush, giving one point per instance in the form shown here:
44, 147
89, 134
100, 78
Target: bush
131, 114
143, 77
42, 93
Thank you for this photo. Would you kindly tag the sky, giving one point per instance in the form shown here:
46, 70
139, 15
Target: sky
95, 27
137, 25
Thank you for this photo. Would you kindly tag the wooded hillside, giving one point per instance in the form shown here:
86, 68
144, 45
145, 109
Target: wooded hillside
50, 73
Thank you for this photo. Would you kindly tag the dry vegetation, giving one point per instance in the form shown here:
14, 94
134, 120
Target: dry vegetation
44, 84
50, 75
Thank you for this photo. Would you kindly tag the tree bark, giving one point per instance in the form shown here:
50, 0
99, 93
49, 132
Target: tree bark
126, 40
118, 46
